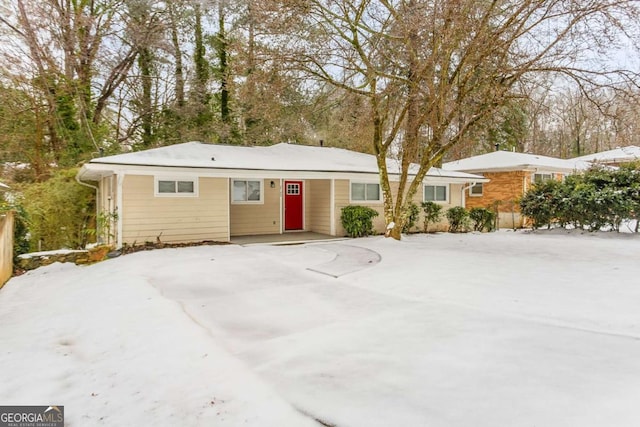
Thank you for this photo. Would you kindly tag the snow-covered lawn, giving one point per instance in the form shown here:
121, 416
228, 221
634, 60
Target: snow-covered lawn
501, 329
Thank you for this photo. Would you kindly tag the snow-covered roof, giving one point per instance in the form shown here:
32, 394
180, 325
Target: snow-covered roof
512, 161
630, 153
279, 157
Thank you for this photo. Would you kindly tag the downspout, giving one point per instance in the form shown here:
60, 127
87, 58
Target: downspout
525, 180
462, 195
85, 184
97, 190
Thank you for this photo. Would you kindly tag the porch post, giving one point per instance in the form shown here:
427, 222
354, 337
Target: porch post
281, 208
332, 207
120, 210
229, 209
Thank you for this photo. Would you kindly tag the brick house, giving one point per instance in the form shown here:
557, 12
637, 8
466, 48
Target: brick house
510, 175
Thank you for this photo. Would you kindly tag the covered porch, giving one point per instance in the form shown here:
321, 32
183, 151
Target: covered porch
281, 209
288, 238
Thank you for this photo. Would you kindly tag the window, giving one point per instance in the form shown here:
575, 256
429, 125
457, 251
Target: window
365, 192
176, 188
542, 177
476, 190
436, 193
246, 191
293, 189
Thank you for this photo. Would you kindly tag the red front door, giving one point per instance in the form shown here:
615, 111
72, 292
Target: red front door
293, 205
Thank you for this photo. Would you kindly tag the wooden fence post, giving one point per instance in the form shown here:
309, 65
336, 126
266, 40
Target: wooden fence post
6, 247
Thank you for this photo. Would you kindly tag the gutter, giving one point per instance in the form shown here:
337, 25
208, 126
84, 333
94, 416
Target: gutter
84, 183
235, 172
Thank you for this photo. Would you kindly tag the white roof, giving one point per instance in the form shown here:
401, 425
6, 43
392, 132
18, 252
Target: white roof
512, 161
619, 155
279, 157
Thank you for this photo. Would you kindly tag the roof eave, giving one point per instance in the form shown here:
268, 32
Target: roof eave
93, 171
519, 168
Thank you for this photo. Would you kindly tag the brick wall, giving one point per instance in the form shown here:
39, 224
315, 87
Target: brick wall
504, 187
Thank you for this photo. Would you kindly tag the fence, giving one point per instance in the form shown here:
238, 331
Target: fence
6, 247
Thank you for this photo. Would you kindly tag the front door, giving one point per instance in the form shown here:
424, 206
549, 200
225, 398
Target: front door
293, 205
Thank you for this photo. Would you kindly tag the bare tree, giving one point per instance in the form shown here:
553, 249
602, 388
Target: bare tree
433, 70
76, 55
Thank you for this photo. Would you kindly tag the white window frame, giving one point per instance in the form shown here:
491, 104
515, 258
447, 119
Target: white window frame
447, 188
247, 202
156, 184
549, 174
471, 194
365, 183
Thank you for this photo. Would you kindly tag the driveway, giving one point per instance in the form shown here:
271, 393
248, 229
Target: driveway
500, 329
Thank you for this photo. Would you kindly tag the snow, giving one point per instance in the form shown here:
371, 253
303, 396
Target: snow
500, 329
49, 253
509, 160
278, 157
617, 155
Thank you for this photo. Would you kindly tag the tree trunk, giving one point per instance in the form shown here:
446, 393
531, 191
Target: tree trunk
222, 47
146, 105
177, 53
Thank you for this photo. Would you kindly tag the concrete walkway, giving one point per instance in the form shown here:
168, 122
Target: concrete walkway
283, 239
348, 259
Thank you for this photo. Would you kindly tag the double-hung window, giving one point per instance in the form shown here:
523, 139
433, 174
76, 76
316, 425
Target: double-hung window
246, 191
365, 192
542, 177
436, 193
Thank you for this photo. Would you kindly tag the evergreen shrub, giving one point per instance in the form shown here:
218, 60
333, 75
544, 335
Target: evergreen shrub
412, 213
596, 199
358, 220
482, 218
432, 214
458, 219
59, 212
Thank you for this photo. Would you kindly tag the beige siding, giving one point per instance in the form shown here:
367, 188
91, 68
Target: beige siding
307, 208
108, 193
174, 219
342, 194
107, 207
342, 199
318, 198
455, 199
263, 218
